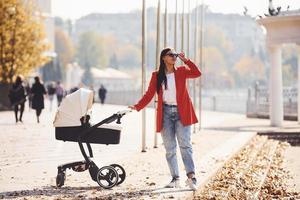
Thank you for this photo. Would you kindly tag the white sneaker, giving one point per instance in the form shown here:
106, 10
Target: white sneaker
192, 183
175, 183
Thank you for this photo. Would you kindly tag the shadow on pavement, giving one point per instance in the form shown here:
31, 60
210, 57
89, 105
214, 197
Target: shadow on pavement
79, 192
248, 128
47, 191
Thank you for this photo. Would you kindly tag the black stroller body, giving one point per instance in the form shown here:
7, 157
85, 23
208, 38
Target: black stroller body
106, 176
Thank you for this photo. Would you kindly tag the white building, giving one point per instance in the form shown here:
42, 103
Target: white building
113, 79
46, 11
281, 29
74, 74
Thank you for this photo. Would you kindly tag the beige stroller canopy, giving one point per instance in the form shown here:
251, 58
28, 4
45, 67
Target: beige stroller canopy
73, 107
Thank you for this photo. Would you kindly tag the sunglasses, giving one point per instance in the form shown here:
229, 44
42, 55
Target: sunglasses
174, 55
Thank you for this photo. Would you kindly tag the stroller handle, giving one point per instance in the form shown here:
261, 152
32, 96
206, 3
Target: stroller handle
124, 112
117, 116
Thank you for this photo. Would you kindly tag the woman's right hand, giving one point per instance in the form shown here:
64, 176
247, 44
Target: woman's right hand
182, 57
132, 107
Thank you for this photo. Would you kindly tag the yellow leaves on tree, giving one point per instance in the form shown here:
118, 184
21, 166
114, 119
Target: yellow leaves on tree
250, 67
64, 47
90, 50
216, 37
22, 39
214, 60
216, 70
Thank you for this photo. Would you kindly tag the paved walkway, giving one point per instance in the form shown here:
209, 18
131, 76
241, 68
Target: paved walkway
29, 154
292, 164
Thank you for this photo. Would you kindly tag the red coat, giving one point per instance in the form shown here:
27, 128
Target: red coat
184, 103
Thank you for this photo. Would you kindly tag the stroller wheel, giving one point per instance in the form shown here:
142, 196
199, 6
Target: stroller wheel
60, 179
107, 177
121, 173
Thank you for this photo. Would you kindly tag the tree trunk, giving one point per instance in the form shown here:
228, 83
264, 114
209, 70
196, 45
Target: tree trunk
4, 101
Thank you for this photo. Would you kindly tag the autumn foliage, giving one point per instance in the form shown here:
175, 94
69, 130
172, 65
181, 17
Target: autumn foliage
22, 39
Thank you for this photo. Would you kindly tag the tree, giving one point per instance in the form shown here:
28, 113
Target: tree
87, 77
90, 51
22, 39
215, 67
113, 61
249, 69
22, 43
129, 55
216, 37
63, 47
289, 64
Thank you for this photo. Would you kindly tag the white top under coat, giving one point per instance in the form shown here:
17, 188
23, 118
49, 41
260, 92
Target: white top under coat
169, 94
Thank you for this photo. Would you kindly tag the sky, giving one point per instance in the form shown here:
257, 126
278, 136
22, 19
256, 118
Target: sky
74, 9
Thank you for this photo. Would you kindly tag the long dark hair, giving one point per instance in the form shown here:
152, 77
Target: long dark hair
161, 75
18, 81
37, 80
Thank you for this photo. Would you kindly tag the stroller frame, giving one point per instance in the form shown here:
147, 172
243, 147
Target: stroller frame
107, 176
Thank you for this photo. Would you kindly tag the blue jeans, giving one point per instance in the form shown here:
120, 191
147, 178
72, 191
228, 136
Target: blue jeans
172, 129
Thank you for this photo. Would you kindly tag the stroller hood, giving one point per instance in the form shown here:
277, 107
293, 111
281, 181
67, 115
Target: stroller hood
73, 107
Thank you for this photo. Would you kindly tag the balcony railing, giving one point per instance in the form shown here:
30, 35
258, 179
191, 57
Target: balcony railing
258, 102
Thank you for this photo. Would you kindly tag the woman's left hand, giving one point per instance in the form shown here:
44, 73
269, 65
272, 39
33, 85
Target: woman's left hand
182, 57
132, 107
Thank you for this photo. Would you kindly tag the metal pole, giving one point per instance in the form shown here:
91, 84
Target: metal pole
182, 27
201, 64
157, 63
144, 74
195, 56
188, 29
188, 37
166, 25
175, 25
298, 103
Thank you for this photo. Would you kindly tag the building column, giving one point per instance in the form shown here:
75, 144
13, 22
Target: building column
276, 98
298, 52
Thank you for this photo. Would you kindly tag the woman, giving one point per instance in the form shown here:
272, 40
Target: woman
102, 94
17, 98
51, 92
28, 93
59, 92
38, 91
175, 112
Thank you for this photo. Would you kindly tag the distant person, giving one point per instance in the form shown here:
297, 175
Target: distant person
38, 91
92, 89
175, 112
17, 98
51, 92
59, 92
73, 89
28, 93
102, 94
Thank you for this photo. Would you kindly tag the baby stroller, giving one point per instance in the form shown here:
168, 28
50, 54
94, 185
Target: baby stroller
72, 124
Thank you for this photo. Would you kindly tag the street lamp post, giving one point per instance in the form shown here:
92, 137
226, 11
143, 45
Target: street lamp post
143, 74
175, 25
166, 25
157, 63
182, 27
195, 57
188, 29
201, 64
